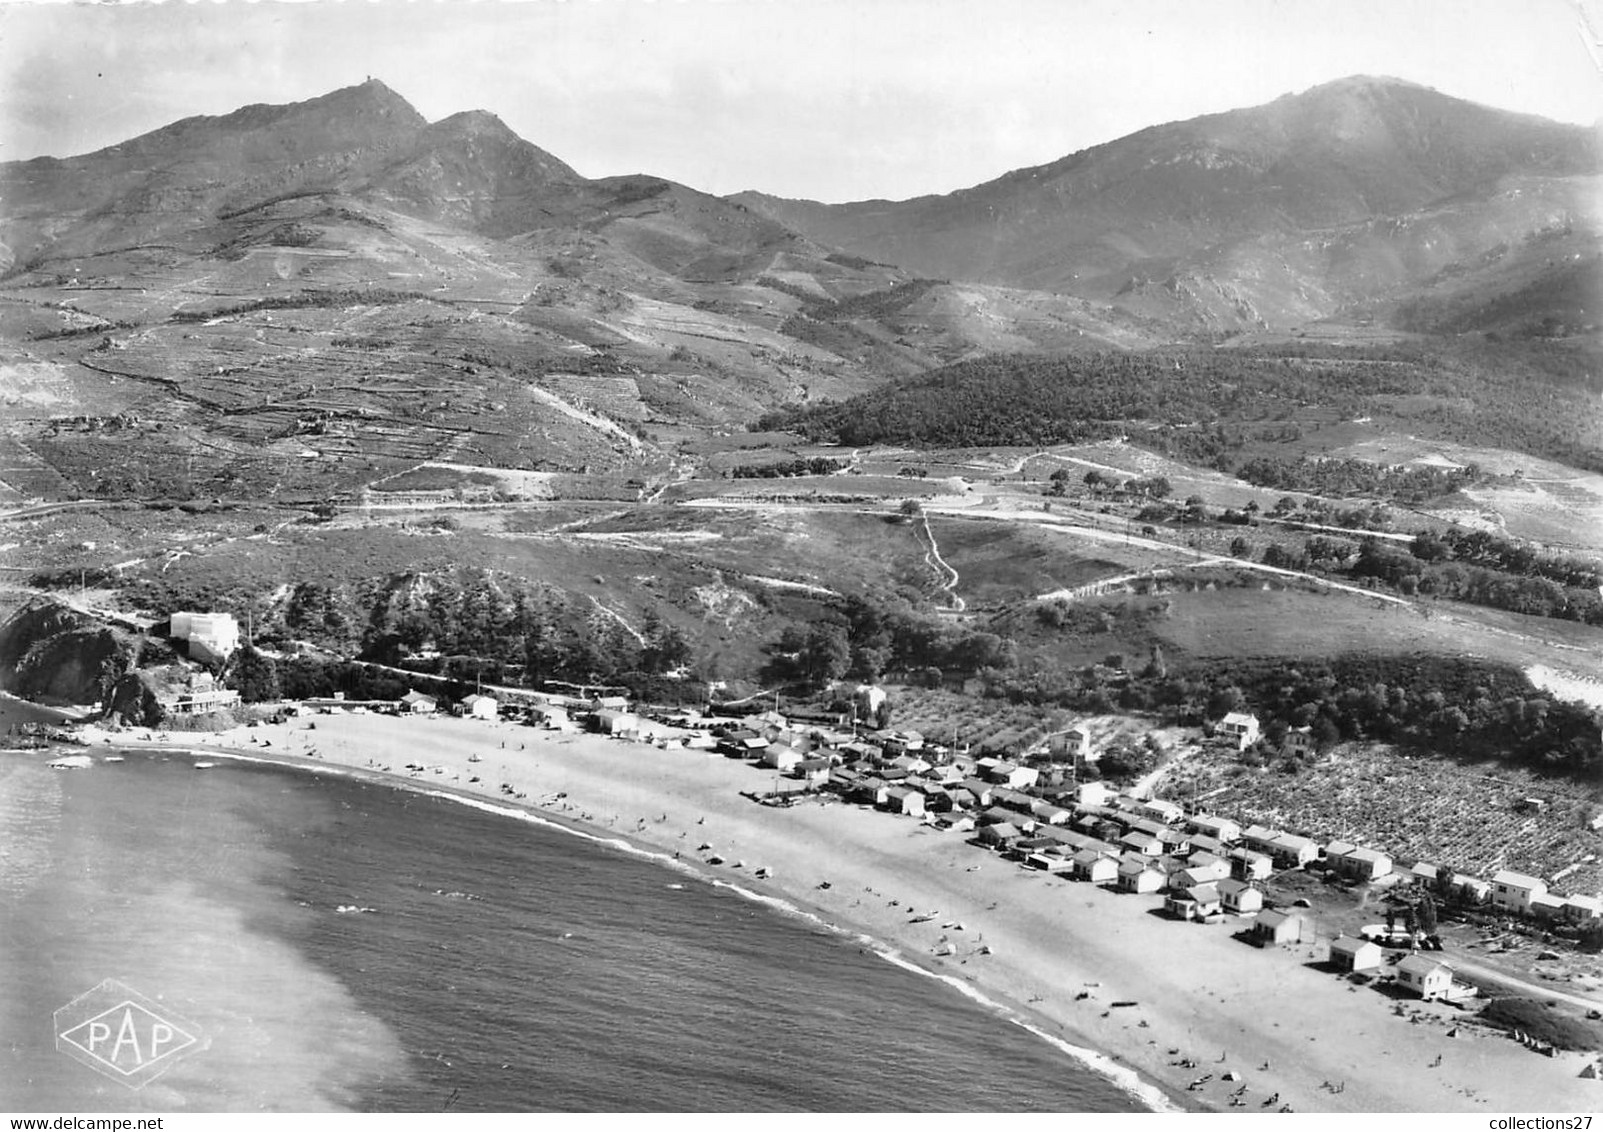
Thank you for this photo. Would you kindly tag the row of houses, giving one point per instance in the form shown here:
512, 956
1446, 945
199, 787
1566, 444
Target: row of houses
1001, 802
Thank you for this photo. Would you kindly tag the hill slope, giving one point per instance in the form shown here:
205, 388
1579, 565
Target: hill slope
1269, 215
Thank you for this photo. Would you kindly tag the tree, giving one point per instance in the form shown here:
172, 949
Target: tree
1239, 548
910, 510
256, 677
1427, 915
825, 655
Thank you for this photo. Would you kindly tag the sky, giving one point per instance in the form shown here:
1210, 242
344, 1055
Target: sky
830, 100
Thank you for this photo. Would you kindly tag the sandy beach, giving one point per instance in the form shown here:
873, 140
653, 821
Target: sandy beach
1057, 953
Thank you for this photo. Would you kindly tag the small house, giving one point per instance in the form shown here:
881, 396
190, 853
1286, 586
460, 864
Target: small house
1583, 909
416, 703
1293, 852
1424, 977
1359, 864
1049, 814
1298, 743
549, 715
616, 723
953, 821
610, 703
1092, 794
480, 706
1188, 878
904, 800
1239, 897
1014, 777
1241, 729
1146, 844
1515, 891
1159, 809
1354, 955
781, 757
1546, 906
1096, 867
1049, 861
1275, 928
1136, 876
1248, 865
814, 772
999, 835
1075, 743
1193, 904
980, 789
1424, 874
1224, 829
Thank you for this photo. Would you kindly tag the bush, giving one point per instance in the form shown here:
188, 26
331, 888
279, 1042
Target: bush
1544, 1023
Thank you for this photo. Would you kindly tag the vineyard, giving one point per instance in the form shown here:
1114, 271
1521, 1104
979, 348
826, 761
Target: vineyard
1415, 808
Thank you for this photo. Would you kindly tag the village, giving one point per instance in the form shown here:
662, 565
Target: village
1198, 867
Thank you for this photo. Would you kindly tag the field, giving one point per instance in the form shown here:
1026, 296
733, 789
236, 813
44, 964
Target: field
969, 722
1415, 808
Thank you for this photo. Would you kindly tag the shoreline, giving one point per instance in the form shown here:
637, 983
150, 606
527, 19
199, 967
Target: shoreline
1055, 969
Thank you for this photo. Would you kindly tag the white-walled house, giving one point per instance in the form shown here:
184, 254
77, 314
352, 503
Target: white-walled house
1240, 728
1514, 891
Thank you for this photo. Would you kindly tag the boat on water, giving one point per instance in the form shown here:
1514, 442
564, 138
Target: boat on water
204, 766
113, 759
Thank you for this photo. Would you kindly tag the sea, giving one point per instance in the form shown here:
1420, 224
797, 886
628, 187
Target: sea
342, 945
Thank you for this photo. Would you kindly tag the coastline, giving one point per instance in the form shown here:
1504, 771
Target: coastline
1054, 963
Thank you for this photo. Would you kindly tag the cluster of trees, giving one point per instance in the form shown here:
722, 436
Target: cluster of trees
340, 297
801, 466
1404, 569
1482, 548
1345, 477
1452, 706
870, 638
1539, 400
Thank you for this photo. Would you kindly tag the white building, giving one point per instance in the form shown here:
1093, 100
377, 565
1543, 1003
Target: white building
212, 637
480, 706
1240, 728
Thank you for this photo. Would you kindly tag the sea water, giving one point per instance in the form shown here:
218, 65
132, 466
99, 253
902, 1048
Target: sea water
352, 946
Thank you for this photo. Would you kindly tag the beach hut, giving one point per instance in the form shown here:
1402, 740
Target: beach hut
904, 800
416, 703
1274, 928
1245, 864
1424, 977
1354, 955
1360, 864
1209, 825
998, 835
1293, 852
1096, 867
1193, 903
1048, 860
1240, 897
1159, 809
1147, 844
781, 757
1137, 876
954, 821
479, 706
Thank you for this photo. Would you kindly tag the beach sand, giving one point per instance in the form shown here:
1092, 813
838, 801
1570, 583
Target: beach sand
1061, 952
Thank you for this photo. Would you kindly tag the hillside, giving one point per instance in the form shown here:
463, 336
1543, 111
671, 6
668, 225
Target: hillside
1270, 216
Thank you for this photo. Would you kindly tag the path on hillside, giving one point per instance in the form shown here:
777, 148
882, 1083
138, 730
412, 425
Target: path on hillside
941, 566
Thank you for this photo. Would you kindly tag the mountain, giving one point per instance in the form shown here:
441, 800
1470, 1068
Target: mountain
311, 294
1273, 215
